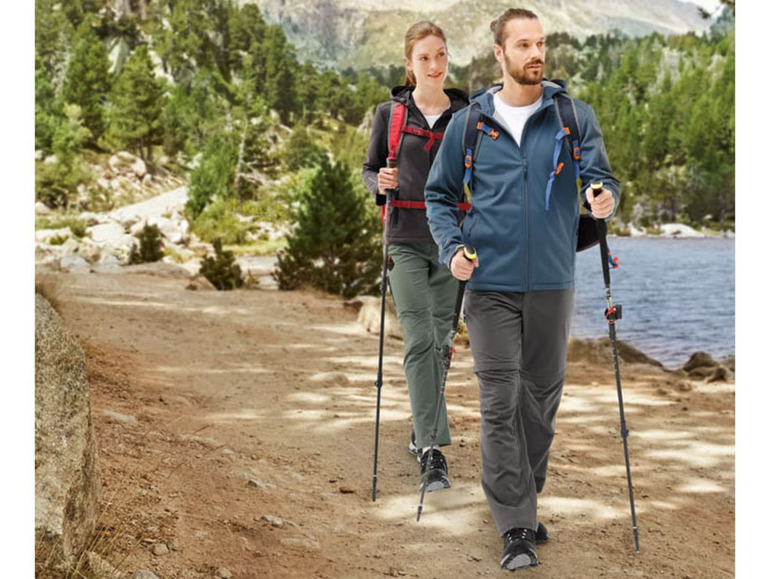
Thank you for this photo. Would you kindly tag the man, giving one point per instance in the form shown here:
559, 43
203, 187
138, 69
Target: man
519, 297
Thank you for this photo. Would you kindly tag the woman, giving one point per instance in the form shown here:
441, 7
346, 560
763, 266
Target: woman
424, 291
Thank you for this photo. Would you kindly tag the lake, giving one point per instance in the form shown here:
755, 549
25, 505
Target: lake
678, 296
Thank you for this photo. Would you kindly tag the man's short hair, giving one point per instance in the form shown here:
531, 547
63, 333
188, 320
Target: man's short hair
498, 25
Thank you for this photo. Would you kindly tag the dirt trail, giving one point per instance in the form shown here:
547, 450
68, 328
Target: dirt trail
236, 429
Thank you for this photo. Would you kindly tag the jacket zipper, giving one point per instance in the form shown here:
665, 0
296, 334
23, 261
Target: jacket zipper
519, 149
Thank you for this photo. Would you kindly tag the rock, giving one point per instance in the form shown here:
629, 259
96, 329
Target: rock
42, 209
143, 574
275, 521
111, 232
370, 316
101, 569
223, 573
305, 543
199, 282
700, 373
159, 549
122, 161
139, 168
46, 235
67, 479
719, 374
160, 269
683, 386
678, 230
70, 247
90, 218
126, 217
74, 263
700, 360
599, 352
118, 417
175, 230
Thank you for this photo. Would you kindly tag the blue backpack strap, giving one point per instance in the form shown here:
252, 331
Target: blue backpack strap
473, 129
469, 145
570, 133
568, 120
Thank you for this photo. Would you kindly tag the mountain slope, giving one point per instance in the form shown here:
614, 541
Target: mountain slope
361, 34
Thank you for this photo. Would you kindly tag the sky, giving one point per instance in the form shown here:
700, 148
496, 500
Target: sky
709, 5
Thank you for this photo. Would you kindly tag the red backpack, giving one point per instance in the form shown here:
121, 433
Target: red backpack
397, 128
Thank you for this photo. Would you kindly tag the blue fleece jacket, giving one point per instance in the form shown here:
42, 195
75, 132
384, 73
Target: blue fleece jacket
522, 243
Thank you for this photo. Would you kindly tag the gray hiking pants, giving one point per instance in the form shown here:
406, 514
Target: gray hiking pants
519, 343
424, 294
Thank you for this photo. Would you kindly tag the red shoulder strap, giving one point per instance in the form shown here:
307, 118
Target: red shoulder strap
397, 121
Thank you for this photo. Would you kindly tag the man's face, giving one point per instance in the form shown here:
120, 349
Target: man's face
522, 56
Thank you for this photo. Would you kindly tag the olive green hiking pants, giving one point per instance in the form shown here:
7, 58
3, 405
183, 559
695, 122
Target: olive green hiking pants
424, 293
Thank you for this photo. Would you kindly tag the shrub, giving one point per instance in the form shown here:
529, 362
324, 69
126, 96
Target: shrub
150, 245
219, 221
335, 244
222, 270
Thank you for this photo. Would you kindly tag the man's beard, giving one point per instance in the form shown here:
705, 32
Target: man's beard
522, 75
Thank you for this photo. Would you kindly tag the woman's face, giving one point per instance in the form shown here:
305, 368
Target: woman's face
428, 61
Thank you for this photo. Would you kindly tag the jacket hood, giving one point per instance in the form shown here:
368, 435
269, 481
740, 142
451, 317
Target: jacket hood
457, 96
484, 96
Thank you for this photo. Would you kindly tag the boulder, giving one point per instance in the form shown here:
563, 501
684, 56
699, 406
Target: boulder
47, 235
139, 168
599, 352
700, 360
74, 263
369, 308
111, 232
42, 209
67, 481
199, 282
678, 230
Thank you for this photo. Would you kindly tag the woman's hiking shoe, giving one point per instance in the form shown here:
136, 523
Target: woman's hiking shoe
413, 448
434, 471
542, 536
519, 550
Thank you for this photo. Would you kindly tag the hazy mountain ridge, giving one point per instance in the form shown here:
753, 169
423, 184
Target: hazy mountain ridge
360, 34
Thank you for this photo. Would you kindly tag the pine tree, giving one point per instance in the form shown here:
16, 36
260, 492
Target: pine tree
279, 88
335, 245
52, 33
48, 113
87, 81
136, 105
213, 178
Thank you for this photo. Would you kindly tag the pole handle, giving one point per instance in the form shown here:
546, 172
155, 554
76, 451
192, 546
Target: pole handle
602, 233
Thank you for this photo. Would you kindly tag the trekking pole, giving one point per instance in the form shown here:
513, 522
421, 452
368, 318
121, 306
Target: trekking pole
391, 162
447, 355
612, 315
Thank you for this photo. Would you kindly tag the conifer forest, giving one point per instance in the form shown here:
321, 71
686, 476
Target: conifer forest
209, 91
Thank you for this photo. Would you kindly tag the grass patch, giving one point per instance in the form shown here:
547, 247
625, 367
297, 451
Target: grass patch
260, 247
76, 225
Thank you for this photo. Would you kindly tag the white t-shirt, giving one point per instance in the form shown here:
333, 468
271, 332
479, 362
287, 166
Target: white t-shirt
514, 117
431, 119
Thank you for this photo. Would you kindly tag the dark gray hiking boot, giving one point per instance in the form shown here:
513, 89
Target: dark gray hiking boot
414, 450
542, 536
519, 550
434, 470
